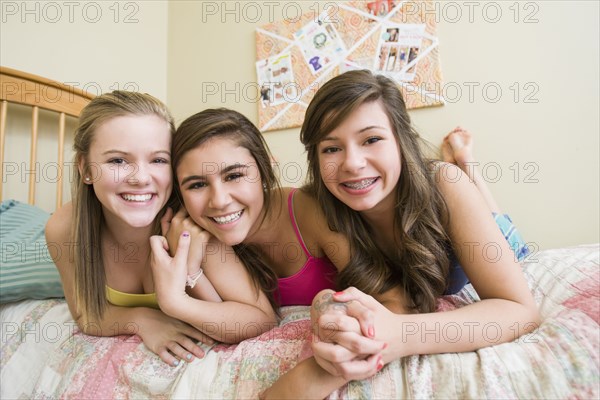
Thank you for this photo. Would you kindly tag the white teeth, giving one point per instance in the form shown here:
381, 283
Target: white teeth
136, 197
228, 218
360, 184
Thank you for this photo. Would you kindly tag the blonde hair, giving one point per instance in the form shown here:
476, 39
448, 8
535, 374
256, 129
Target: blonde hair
90, 277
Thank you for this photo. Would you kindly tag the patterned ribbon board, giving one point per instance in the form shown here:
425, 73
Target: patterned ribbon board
296, 57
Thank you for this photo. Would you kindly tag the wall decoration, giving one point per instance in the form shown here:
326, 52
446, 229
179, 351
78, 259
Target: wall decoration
276, 80
296, 57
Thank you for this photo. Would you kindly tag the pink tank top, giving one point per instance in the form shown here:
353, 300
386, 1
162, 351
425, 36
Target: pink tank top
317, 274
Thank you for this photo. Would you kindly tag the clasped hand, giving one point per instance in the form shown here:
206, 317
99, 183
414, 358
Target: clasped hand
346, 343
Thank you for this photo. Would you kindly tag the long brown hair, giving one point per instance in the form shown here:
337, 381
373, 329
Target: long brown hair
229, 124
420, 264
90, 276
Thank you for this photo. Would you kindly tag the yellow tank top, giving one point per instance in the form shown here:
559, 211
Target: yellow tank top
123, 299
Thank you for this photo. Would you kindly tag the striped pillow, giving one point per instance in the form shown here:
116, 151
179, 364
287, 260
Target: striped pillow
26, 268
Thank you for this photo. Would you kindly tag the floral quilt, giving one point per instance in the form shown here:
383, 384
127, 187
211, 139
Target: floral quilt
43, 354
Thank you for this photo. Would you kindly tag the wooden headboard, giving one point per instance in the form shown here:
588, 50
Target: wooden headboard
58, 102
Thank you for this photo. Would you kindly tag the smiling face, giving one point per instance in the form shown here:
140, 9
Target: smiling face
128, 166
359, 161
222, 189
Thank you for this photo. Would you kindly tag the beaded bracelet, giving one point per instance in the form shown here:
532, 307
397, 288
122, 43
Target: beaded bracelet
192, 279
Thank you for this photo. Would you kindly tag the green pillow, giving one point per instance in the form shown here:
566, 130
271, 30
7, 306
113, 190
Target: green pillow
26, 268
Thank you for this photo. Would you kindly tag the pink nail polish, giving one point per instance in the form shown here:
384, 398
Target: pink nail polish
338, 293
371, 331
379, 364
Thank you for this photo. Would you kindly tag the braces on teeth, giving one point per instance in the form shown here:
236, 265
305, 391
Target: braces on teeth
360, 185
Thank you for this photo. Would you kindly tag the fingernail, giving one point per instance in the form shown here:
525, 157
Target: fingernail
189, 356
175, 363
379, 364
185, 234
338, 293
371, 331
385, 346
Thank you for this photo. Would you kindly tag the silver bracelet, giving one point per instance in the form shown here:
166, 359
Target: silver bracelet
192, 279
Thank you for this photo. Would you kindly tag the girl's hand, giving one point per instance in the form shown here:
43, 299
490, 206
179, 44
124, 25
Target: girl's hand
169, 273
171, 339
173, 226
344, 342
384, 322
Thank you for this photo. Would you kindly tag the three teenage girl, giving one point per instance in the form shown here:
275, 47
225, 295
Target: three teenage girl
376, 216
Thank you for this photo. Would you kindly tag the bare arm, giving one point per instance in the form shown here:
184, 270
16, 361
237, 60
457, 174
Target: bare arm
506, 303
245, 311
307, 380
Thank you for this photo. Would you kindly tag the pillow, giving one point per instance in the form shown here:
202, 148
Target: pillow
26, 268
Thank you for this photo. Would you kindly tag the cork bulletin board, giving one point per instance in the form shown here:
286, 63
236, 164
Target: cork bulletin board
297, 56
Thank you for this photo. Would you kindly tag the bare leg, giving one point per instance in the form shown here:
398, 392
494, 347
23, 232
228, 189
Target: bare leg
457, 148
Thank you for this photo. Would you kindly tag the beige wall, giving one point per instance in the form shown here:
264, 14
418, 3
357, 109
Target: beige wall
537, 141
97, 45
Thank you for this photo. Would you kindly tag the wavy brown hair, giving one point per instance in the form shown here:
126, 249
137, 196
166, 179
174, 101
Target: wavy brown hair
420, 264
229, 124
90, 276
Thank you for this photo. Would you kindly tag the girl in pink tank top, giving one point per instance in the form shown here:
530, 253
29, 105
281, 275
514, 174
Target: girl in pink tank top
227, 184
316, 274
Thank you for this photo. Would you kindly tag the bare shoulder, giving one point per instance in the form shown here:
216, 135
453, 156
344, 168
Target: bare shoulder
307, 208
58, 234
315, 228
58, 227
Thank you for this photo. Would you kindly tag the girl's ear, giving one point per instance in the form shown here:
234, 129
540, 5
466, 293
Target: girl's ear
83, 171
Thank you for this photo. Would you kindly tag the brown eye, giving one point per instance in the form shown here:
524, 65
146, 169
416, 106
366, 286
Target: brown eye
234, 177
372, 140
196, 185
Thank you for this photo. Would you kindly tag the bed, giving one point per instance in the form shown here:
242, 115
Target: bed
44, 355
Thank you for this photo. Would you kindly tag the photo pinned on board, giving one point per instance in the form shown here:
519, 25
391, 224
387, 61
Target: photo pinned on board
380, 8
320, 43
398, 51
276, 80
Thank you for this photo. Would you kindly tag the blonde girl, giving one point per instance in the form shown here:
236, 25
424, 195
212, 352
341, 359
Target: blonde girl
121, 185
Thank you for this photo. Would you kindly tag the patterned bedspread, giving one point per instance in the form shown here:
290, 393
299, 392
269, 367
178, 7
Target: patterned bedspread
45, 356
